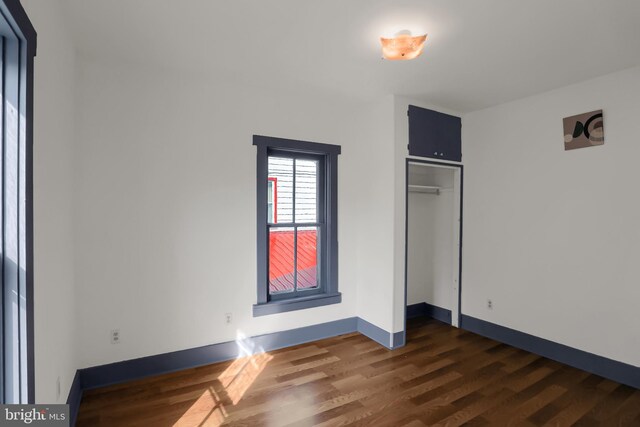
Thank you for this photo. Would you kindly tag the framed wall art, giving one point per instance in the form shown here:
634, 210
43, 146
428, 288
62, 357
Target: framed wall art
583, 130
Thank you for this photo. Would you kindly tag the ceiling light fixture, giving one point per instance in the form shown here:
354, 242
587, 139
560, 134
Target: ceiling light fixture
402, 46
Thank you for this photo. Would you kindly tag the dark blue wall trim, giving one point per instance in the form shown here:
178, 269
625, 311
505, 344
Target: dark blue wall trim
425, 309
327, 215
292, 144
438, 313
416, 310
128, 370
373, 332
74, 399
281, 306
20, 22
398, 340
17, 20
292, 337
599, 365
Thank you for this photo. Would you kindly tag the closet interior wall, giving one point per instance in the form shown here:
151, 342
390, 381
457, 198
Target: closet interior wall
430, 244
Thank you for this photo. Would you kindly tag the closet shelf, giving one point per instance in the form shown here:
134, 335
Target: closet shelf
424, 189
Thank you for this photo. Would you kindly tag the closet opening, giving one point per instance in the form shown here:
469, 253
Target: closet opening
433, 236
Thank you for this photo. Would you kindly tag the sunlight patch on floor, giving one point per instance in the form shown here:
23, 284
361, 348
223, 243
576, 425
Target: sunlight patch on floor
229, 388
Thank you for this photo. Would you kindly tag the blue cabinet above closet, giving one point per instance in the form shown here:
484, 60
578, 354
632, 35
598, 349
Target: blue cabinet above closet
433, 134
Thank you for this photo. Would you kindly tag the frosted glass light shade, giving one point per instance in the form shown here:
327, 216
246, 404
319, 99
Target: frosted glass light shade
402, 46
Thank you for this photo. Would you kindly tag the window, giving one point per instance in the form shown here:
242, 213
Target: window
293, 244
272, 200
296, 225
17, 49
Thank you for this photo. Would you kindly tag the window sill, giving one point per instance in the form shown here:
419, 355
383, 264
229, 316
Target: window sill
282, 306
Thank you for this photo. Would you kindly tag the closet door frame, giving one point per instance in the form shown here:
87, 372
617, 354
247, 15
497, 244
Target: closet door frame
455, 318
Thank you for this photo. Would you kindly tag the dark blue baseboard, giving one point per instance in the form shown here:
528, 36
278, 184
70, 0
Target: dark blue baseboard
375, 333
599, 365
74, 399
292, 304
379, 335
398, 340
425, 309
130, 370
416, 310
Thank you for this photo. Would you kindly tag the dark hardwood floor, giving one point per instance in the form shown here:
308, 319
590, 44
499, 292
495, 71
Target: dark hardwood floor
444, 376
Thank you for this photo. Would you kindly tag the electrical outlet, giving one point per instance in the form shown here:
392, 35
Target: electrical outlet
115, 336
228, 318
58, 388
490, 304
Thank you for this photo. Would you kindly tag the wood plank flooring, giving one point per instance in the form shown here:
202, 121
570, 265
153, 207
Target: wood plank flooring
443, 377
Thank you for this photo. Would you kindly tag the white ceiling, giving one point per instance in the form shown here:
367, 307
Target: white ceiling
479, 53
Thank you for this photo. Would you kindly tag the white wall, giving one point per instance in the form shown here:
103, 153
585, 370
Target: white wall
431, 248
552, 237
444, 251
55, 326
374, 215
166, 207
420, 247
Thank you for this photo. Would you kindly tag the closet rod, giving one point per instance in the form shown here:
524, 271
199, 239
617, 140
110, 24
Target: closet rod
424, 189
